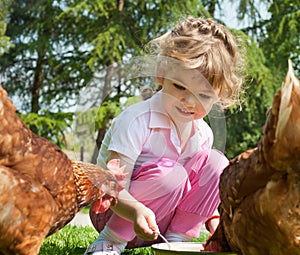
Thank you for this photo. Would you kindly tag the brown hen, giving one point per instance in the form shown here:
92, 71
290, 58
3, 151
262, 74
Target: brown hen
260, 189
41, 189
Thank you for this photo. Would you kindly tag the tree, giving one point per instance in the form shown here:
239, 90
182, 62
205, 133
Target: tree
47, 65
282, 32
121, 29
276, 32
245, 125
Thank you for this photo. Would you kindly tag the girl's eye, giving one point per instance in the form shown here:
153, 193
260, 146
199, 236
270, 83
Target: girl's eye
178, 86
204, 96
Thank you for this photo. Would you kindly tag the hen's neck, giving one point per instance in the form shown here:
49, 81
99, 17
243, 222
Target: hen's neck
86, 191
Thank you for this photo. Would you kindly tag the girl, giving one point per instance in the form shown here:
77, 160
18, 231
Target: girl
173, 172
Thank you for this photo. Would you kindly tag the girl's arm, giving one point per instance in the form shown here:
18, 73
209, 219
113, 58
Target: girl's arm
129, 208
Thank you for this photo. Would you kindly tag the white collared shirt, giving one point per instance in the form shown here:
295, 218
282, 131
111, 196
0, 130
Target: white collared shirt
144, 132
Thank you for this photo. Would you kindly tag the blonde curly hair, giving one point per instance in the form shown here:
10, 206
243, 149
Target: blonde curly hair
209, 47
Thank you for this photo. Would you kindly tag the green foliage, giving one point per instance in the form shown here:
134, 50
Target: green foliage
47, 67
4, 40
89, 121
281, 38
49, 125
245, 127
277, 31
107, 111
246, 8
122, 30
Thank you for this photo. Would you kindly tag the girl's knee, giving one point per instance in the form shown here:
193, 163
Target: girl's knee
218, 160
216, 163
158, 179
157, 170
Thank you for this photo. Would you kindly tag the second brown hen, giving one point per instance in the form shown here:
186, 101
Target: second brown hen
260, 189
41, 189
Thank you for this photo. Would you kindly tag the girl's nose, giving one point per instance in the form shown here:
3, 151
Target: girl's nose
189, 100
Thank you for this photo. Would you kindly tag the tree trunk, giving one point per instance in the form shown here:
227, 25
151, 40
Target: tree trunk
212, 7
120, 5
101, 131
38, 81
100, 136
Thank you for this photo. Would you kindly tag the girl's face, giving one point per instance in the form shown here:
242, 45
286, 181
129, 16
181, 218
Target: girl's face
187, 95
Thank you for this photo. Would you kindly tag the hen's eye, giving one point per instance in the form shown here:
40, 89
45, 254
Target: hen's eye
178, 86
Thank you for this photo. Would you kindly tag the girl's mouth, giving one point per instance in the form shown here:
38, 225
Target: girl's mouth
184, 112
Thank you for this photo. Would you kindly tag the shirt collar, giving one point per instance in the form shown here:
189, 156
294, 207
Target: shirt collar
158, 115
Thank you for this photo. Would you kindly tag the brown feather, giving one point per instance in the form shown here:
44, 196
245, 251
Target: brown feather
41, 189
260, 191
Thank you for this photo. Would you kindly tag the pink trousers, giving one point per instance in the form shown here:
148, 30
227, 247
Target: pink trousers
182, 197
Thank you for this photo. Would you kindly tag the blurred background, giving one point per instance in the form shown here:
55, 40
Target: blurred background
61, 61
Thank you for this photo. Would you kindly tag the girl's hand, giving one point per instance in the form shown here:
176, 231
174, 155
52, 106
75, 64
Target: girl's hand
145, 225
129, 208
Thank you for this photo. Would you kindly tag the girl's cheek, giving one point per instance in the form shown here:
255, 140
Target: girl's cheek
201, 112
199, 116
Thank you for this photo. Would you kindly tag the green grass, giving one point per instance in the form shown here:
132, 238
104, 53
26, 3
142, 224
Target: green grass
73, 240
85, 210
